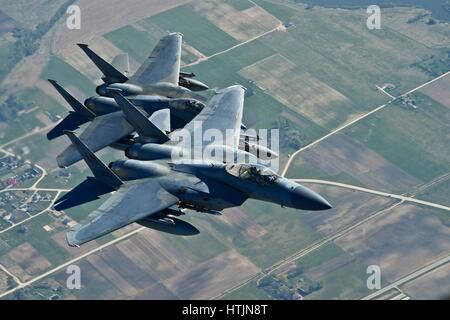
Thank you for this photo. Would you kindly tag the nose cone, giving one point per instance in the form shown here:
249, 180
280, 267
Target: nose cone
306, 199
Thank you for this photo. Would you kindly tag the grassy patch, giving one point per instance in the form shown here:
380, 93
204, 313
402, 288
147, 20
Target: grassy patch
438, 193
138, 44
65, 73
197, 31
248, 292
38, 238
316, 258
415, 140
280, 11
221, 70
239, 4
31, 13
6, 49
198, 248
347, 282
286, 233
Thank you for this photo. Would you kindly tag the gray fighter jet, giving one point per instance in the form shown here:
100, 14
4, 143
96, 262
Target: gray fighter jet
155, 193
159, 75
99, 110
154, 87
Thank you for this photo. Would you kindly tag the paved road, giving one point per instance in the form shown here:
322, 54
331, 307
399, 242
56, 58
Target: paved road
379, 193
200, 60
420, 272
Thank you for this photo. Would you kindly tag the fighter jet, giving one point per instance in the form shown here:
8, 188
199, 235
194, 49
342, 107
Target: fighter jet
155, 193
159, 75
98, 109
154, 86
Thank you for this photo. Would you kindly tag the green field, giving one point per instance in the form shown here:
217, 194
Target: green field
138, 44
66, 74
52, 180
38, 238
6, 49
4, 224
248, 292
286, 233
26, 122
239, 4
347, 282
278, 10
201, 247
414, 140
31, 13
438, 193
338, 51
301, 169
197, 31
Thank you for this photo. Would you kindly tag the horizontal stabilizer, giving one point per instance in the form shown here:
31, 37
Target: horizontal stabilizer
98, 168
143, 126
111, 74
76, 105
70, 123
89, 190
100, 133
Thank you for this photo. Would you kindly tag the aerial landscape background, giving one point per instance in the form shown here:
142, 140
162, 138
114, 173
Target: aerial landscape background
364, 119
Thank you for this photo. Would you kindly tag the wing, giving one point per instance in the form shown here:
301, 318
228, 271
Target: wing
89, 190
71, 123
163, 65
100, 133
132, 202
222, 114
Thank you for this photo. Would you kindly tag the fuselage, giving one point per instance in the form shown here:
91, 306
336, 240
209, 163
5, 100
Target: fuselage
207, 185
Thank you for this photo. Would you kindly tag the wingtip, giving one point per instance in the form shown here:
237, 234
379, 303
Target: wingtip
52, 81
82, 45
61, 161
71, 240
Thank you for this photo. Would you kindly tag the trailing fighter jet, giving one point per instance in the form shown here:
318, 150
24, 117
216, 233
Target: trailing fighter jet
159, 75
154, 193
182, 110
154, 86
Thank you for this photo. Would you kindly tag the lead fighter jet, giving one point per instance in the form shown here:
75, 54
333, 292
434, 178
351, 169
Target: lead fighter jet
154, 193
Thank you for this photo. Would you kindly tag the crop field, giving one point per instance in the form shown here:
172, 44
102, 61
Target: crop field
398, 242
197, 31
30, 13
415, 140
241, 25
431, 285
239, 4
136, 43
300, 91
66, 75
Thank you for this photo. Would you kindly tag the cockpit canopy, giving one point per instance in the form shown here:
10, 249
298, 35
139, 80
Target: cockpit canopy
252, 172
